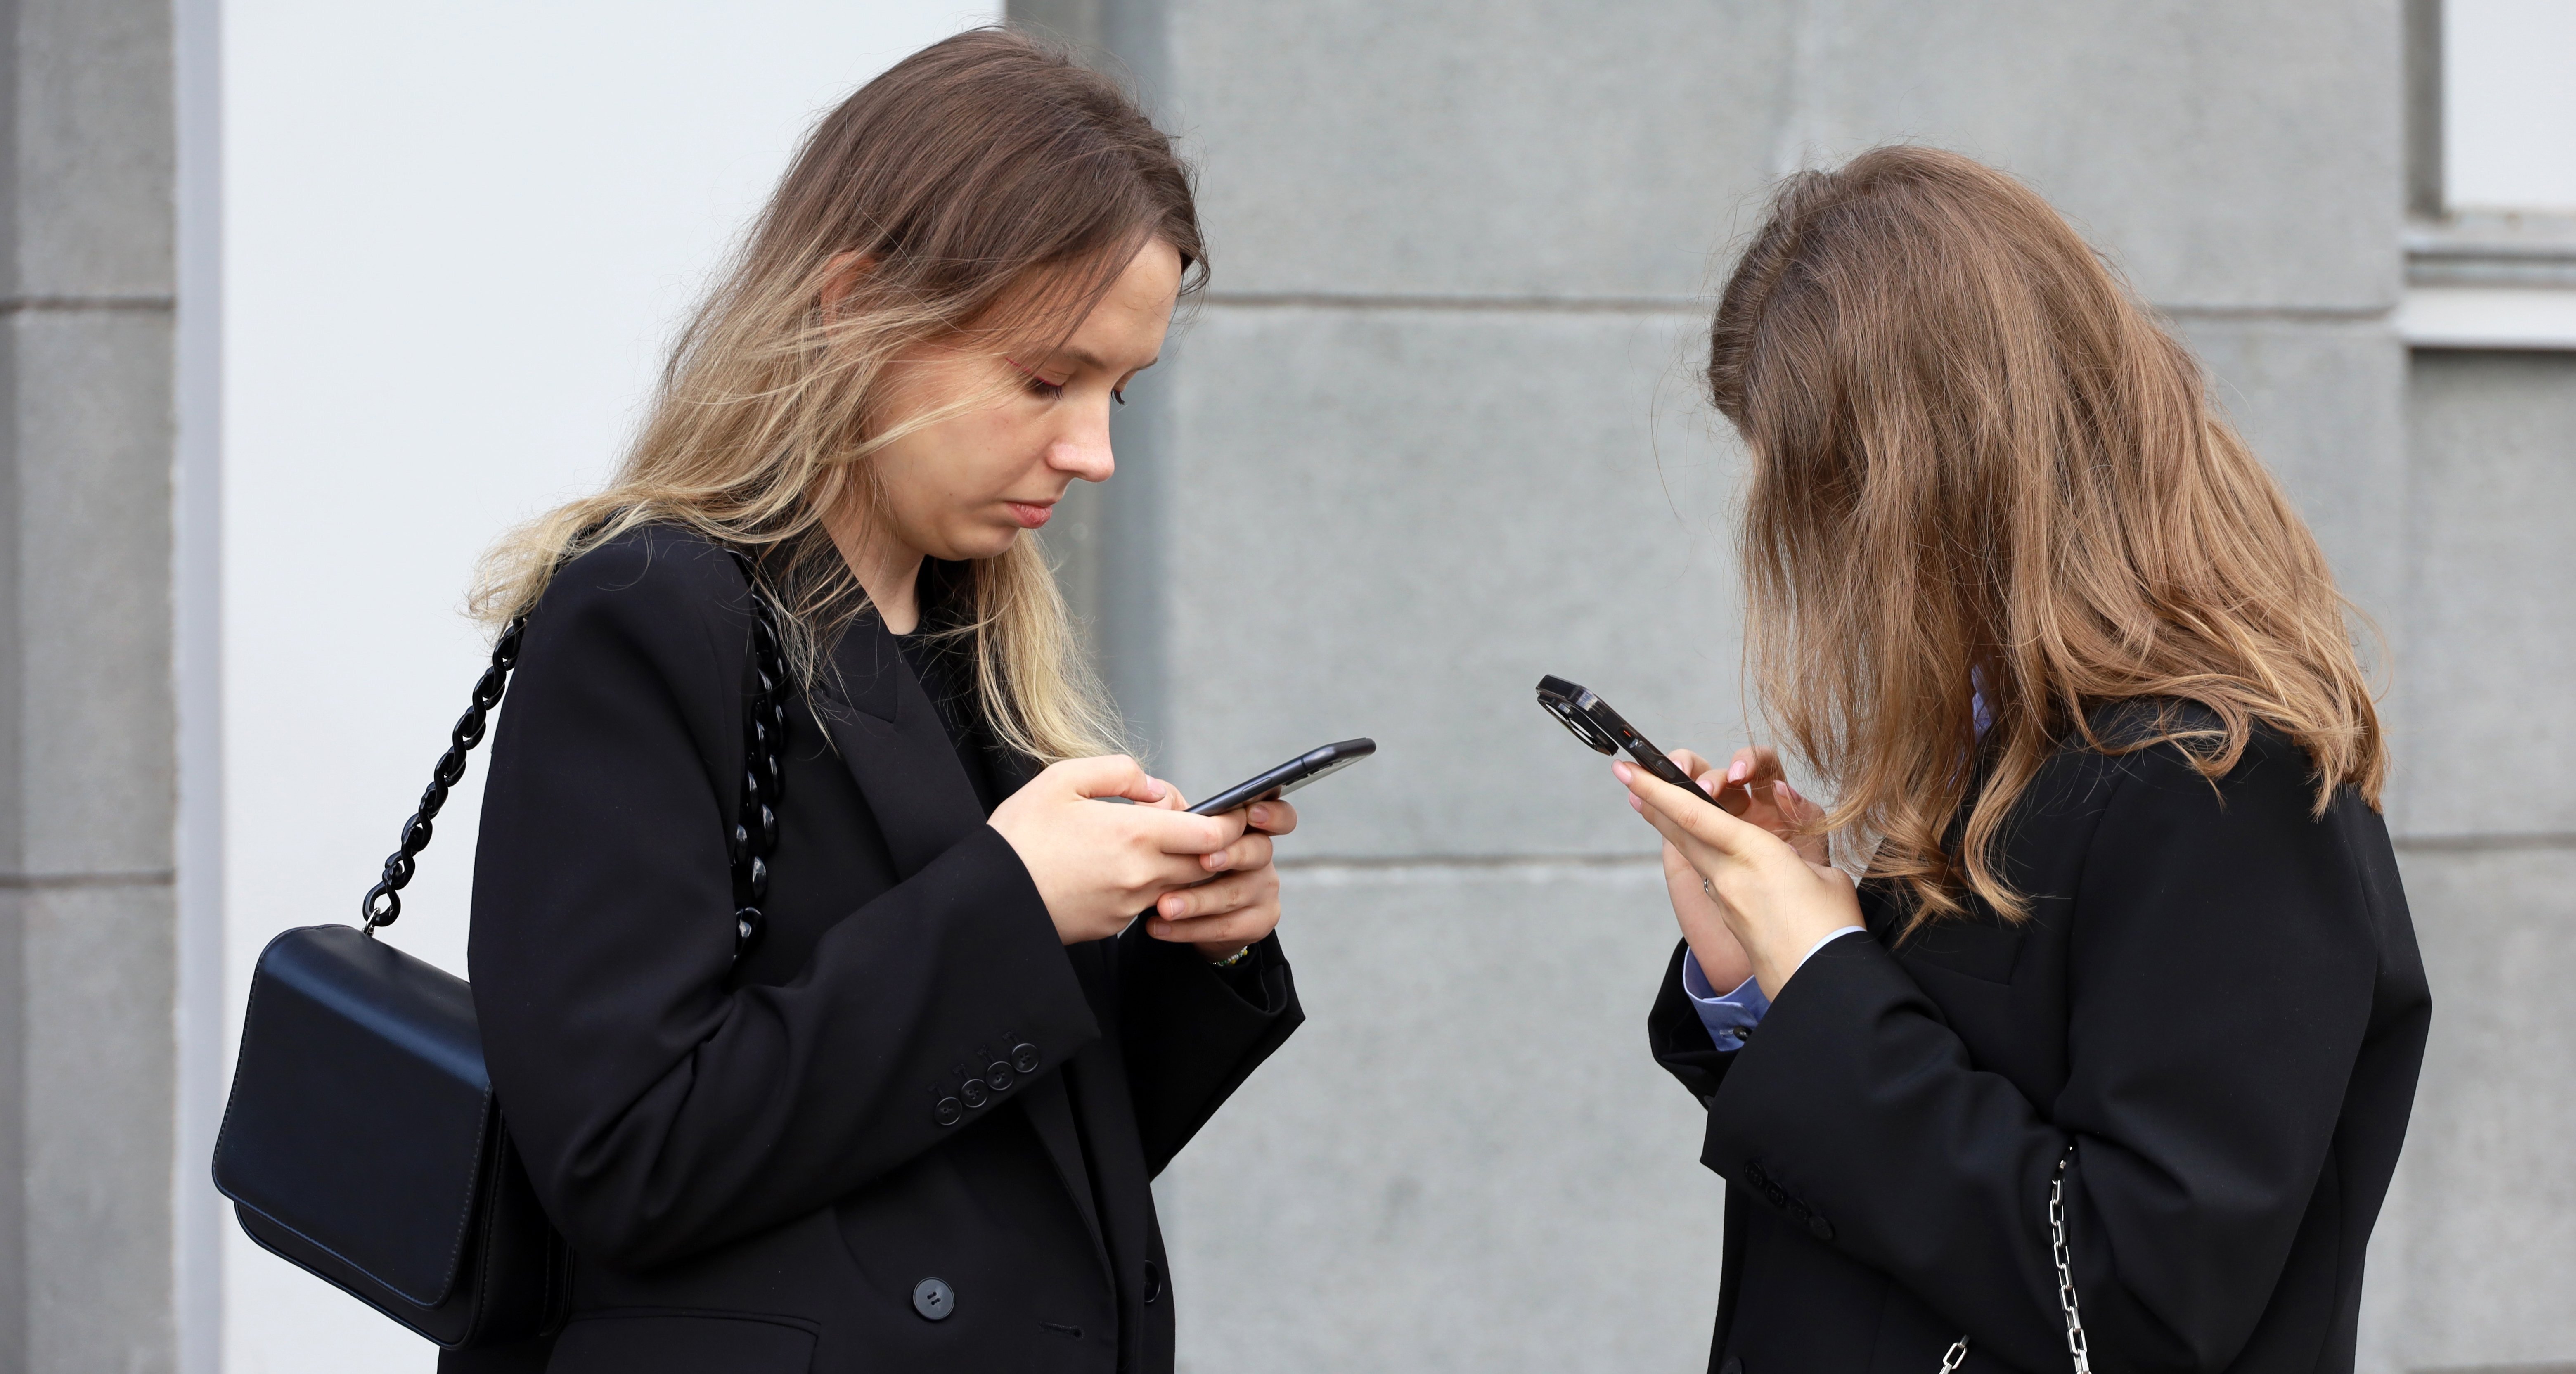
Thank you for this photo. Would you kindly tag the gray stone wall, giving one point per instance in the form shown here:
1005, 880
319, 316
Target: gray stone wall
2479, 1242
1434, 433
86, 759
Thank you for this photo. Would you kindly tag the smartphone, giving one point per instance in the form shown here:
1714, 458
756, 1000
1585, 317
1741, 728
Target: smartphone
1591, 720
1289, 776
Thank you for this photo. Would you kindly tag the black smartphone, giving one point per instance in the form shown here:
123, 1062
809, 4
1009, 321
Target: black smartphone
1591, 720
1289, 776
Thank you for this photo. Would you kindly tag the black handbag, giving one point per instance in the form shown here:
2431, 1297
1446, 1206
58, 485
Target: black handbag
363, 1142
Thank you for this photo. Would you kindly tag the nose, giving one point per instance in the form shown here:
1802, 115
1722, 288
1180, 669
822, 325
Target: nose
1082, 450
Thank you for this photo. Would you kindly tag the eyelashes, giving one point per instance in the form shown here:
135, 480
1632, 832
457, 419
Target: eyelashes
1045, 390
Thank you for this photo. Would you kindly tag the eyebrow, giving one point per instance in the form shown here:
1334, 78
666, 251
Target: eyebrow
1090, 359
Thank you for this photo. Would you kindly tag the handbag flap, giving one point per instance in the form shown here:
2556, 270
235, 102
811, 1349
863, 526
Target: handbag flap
360, 1108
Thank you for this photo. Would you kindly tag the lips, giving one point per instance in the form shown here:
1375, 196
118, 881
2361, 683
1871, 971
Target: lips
1030, 514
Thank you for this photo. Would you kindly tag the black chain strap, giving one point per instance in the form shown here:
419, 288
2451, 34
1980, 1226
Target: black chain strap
382, 905
764, 737
755, 830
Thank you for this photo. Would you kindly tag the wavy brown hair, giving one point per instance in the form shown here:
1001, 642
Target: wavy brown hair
1981, 467
995, 189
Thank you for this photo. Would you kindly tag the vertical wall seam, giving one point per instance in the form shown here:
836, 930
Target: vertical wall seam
197, 665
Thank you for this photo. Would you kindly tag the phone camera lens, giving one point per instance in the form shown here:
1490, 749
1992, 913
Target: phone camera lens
1580, 726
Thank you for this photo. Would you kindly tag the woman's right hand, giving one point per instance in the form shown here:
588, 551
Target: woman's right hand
1097, 865
1769, 802
1755, 775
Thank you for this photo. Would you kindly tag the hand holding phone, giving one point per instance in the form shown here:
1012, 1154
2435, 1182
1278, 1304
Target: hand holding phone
1227, 913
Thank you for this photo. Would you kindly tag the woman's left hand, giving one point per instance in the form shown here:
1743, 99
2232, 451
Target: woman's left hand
1238, 907
1776, 902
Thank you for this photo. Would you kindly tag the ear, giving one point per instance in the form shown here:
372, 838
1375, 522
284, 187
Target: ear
842, 275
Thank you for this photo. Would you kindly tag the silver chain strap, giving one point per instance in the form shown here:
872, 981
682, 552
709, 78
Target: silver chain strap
2065, 1263
1958, 1351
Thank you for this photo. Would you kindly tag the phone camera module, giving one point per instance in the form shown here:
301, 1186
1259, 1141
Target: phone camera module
1580, 726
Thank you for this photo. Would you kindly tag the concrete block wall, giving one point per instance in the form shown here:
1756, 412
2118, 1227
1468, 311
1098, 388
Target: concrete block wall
2481, 1233
1434, 434
87, 785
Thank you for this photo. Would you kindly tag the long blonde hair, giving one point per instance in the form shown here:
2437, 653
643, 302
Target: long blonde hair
995, 189
1982, 468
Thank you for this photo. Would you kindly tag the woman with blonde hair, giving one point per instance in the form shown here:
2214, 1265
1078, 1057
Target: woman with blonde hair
802, 941
2111, 1047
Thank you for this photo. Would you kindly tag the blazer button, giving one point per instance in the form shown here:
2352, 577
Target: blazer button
1025, 1058
973, 1091
949, 1112
1818, 1227
998, 1074
933, 1299
1153, 1283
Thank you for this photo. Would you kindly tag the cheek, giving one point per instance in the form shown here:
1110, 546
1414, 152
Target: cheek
942, 484
992, 457
907, 474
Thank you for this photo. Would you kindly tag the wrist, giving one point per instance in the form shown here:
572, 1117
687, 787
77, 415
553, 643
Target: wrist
1721, 960
1781, 958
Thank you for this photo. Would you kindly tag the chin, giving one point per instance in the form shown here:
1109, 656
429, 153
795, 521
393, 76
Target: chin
984, 544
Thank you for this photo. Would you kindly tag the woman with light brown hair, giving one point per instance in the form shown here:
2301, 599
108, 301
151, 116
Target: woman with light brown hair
806, 957
2112, 1044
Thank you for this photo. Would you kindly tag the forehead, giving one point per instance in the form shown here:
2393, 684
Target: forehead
1126, 315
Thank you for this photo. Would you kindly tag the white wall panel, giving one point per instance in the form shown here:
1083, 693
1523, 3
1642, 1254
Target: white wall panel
2508, 105
457, 239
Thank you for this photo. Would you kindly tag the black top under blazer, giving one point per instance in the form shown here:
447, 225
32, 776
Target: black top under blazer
751, 1161
2217, 998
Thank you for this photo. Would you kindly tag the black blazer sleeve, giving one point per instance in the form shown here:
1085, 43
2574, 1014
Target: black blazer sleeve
1680, 1039
661, 1110
2223, 954
1192, 1033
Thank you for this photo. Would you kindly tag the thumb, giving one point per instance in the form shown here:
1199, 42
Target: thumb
1688, 813
1110, 775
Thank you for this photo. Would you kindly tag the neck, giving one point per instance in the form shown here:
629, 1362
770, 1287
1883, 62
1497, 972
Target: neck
887, 570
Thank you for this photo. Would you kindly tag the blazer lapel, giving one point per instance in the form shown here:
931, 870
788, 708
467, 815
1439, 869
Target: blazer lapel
890, 738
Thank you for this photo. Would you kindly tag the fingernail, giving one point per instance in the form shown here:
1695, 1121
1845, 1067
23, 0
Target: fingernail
1622, 772
1260, 817
1636, 803
1215, 862
1738, 770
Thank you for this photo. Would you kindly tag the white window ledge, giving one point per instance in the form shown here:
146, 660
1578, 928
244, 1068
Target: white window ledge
2491, 281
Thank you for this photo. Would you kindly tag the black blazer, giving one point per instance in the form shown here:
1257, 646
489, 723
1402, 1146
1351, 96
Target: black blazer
2217, 998
750, 1161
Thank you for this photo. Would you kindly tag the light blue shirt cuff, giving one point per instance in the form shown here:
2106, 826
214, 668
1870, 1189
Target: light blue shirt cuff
1731, 1017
